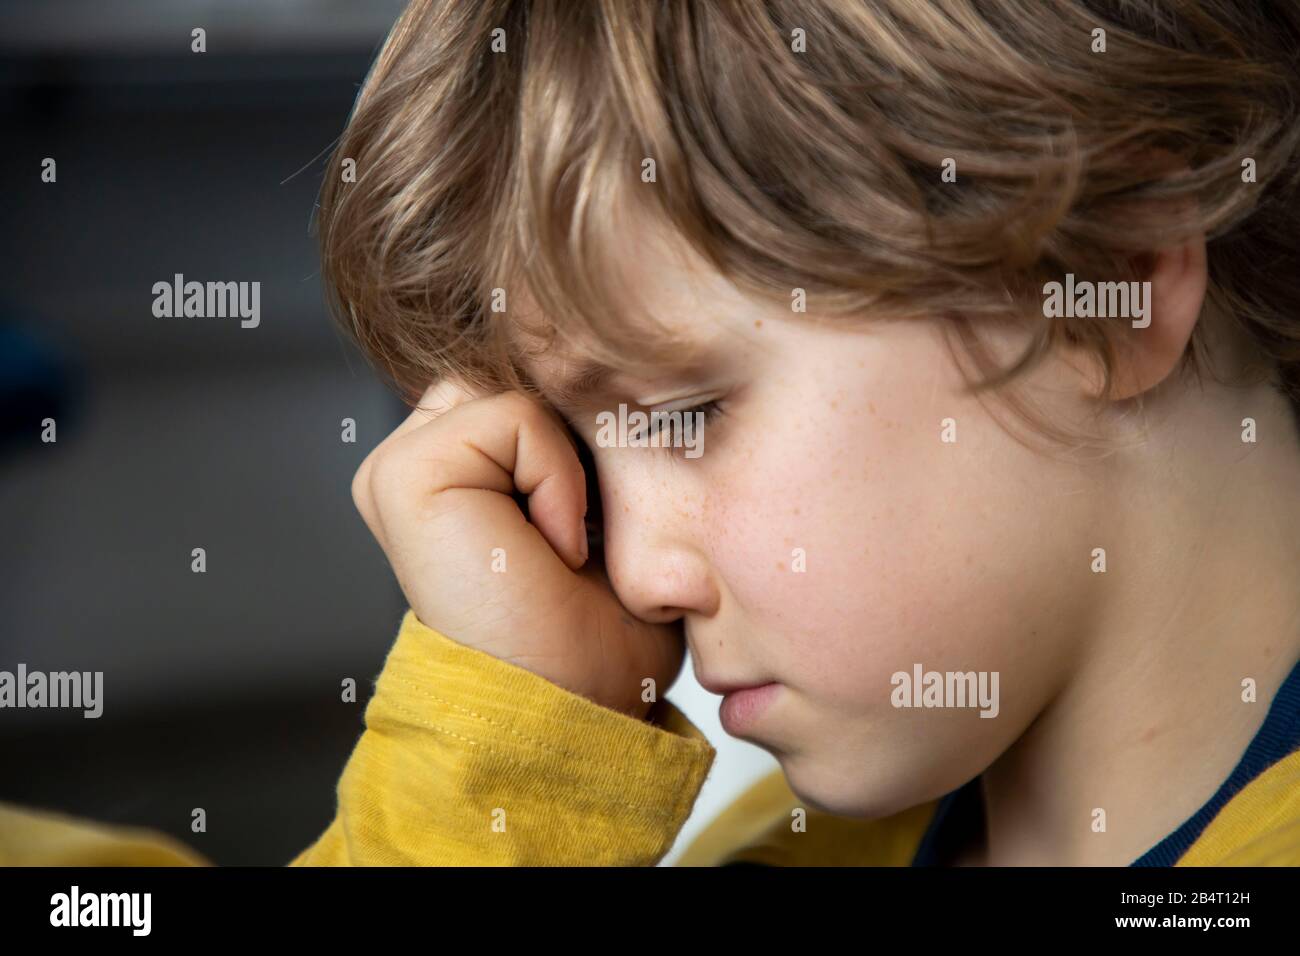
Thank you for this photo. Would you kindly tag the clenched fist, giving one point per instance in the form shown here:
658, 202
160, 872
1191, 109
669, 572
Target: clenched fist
437, 495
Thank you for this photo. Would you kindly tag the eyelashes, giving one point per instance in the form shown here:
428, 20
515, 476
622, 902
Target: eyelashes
653, 432
709, 411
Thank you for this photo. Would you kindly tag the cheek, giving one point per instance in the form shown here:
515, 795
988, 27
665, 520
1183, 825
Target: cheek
822, 545
908, 552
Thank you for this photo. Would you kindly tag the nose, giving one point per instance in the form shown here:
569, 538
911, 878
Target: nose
655, 535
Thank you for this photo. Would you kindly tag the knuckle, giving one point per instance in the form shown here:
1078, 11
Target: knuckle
361, 484
385, 474
522, 408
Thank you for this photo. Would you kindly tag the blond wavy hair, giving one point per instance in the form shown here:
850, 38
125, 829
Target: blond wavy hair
478, 170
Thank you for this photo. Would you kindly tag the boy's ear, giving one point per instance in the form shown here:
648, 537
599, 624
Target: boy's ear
1147, 355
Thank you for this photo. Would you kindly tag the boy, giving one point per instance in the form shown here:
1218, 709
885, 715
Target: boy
1052, 619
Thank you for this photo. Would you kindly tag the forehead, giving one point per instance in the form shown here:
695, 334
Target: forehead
660, 277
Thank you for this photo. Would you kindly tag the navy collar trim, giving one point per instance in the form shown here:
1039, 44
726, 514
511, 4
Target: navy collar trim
959, 816
1276, 739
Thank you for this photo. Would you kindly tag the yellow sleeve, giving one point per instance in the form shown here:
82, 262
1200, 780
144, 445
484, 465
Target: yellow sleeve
1259, 826
43, 838
468, 760
465, 760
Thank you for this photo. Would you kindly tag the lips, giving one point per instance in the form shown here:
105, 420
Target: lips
724, 688
743, 709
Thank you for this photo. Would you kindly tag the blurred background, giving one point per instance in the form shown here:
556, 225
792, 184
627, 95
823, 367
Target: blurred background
222, 689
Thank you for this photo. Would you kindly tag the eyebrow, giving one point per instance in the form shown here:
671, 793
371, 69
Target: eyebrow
588, 378
569, 393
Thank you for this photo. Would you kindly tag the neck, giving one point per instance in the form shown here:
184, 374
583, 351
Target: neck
1202, 595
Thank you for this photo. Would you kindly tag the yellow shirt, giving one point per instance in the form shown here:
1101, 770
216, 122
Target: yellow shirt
467, 760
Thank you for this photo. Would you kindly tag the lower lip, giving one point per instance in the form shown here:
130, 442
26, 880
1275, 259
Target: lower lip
741, 709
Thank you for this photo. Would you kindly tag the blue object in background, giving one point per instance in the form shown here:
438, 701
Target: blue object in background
37, 381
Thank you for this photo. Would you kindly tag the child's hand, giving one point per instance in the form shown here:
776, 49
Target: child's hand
436, 494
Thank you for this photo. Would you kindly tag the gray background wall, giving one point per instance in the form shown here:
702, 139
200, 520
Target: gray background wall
223, 688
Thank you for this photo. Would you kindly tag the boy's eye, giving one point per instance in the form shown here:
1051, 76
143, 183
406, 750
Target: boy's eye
707, 410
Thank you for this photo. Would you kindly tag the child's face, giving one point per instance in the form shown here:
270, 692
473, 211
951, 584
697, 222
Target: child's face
971, 555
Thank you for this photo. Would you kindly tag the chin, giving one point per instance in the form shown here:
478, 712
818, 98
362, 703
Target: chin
872, 796
839, 795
